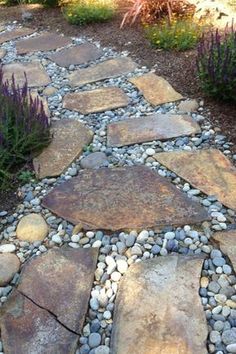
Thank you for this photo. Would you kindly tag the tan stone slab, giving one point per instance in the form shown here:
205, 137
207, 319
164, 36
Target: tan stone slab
64, 281
227, 242
14, 34
158, 308
28, 329
155, 89
35, 73
77, 55
122, 198
95, 101
2, 53
207, 170
105, 70
153, 127
69, 138
43, 43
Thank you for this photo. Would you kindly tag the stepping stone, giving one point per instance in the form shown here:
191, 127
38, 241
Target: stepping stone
105, 70
155, 89
153, 127
27, 328
2, 53
76, 55
158, 309
43, 43
19, 32
96, 101
64, 282
35, 73
69, 138
9, 266
207, 170
188, 106
122, 198
226, 241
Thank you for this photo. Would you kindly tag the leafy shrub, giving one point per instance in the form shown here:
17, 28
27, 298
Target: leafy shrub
216, 64
82, 12
24, 127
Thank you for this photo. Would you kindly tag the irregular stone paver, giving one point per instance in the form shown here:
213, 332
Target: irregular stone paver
14, 34
227, 243
95, 101
2, 53
35, 73
32, 228
105, 70
29, 329
9, 266
154, 127
69, 138
155, 89
94, 160
207, 170
76, 55
43, 43
64, 281
123, 198
158, 309
188, 106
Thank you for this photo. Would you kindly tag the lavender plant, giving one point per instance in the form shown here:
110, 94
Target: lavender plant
24, 127
216, 64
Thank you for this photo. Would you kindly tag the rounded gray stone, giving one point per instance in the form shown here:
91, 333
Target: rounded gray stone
94, 160
94, 340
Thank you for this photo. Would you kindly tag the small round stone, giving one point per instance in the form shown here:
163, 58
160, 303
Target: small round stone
215, 337
115, 276
32, 228
130, 240
7, 248
218, 261
107, 315
9, 266
231, 348
102, 349
122, 266
94, 340
150, 152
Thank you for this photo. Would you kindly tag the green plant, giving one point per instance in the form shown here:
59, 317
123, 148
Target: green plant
25, 176
82, 12
216, 64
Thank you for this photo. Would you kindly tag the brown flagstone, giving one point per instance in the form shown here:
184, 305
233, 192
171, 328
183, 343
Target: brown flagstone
28, 329
153, 127
2, 53
226, 240
207, 170
69, 138
122, 198
158, 308
14, 34
76, 55
95, 101
64, 281
35, 73
155, 89
105, 70
42, 43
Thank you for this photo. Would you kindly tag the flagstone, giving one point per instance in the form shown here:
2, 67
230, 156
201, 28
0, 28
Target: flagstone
105, 70
153, 127
2, 53
156, 89
64, 281
9, 266
26, 328
122, 198
69, 138
207, 170
227, 242
95, 101
14, 34
76, 55
34, 71
170, 319
42, 43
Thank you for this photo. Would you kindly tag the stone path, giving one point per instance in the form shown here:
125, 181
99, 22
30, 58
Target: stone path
99, 257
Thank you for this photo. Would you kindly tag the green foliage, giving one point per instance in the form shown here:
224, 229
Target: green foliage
25, 176
82, 12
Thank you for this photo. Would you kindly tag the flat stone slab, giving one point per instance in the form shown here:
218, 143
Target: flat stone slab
2, 53
14, 34
76, 55
105, 70
96, 101
155, 89
207, 170
26, 328
227, 242
9, 266
64, 281
153, 127
43, 43
35, 73
122, 198
69, 138
158, 309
